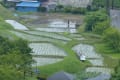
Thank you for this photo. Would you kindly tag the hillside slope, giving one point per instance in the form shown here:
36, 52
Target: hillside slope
5, 27
5, 14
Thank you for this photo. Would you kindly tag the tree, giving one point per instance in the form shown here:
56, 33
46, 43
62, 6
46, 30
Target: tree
101, 27
14, 55
112, 38
60, 7
9, 73
116, 75
93, 18
78, 10
102, 3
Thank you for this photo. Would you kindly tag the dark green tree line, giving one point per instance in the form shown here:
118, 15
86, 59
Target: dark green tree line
15, 59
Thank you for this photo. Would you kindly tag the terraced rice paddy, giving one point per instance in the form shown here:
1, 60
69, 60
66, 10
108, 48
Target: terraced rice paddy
44, 53
56, 30
95, 59
87, 50
51, 35
35, 38
41, 39
54, 25
98, 69
16, 25
57, 23
46, 49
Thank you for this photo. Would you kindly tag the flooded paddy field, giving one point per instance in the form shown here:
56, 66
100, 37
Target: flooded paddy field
53, 22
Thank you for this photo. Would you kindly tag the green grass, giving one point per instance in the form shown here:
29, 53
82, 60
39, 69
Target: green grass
70, 63
115, 56
5, 13
107, 53
30, 78
104, 49
4, 30
5, 27
8, 34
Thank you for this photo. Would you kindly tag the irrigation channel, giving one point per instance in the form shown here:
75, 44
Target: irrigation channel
43, 34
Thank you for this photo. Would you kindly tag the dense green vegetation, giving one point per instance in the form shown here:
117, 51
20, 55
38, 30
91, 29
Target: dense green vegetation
15, 59
97, 4
5, 14
112, 38
95, 20
116, 75
99, 24
69, 9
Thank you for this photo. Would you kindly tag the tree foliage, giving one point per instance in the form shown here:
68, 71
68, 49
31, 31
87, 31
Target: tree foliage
102, 3
116, 75
94, 18
101, 27
14, 59
10, 73
112, 38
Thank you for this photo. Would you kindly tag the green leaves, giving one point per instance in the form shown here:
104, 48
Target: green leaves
94, 18
116, 75
10, 73
112, 38
101, 27
14, 59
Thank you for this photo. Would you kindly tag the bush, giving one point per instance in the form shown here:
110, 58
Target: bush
101, 27
93, 18
78, 10
59, 7
116, 75
96, 4
67, 9
42, 9
112, 38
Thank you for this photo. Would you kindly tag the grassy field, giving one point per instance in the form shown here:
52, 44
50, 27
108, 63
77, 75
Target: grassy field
5, 27
6, 14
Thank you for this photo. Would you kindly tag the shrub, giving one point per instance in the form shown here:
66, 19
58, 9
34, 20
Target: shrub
42, 9
67, 9
93, 18
101, 27
112, 38
78, 10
